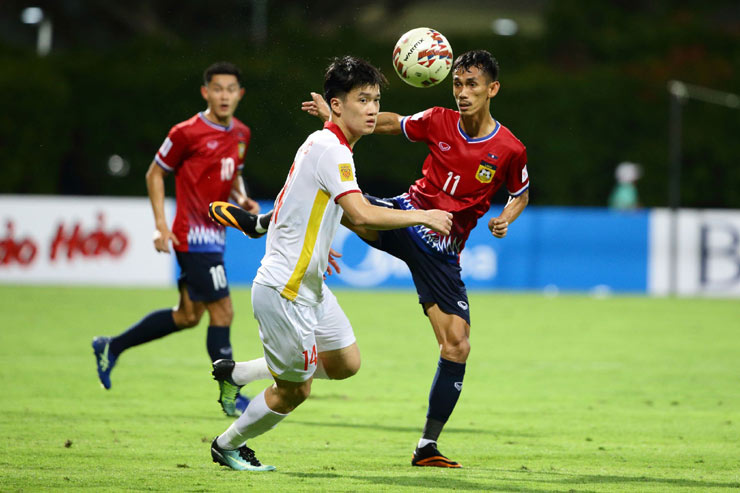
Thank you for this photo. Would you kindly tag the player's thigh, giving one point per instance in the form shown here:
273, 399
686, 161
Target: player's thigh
336, 340
204, 275
221, 311
333, 330
287, 333
188, 312
452, 332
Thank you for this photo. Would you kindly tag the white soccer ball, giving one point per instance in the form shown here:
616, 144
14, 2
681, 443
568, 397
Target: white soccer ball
422, 57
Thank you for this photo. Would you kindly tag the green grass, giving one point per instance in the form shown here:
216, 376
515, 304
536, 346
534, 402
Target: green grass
561, 394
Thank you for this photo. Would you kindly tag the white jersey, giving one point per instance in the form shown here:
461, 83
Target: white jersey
307, 216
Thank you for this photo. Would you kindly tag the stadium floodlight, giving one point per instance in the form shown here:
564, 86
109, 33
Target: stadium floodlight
32, 15
680, 92
505, 27
35, 16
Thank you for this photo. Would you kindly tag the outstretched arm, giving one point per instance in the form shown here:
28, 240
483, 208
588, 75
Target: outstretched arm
388, 123
359, 212
499, 226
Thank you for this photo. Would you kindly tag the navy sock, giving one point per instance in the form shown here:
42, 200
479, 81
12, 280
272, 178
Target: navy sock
218, 343
153, 326
445, 391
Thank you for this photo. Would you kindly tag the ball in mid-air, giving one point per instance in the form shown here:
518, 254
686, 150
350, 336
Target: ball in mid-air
422, 57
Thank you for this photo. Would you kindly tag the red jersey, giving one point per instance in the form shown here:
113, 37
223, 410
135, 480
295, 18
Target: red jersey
461, 174
206, 158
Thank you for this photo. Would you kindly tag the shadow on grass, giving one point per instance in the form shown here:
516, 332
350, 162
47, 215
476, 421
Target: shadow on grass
424, 483
400, 429
602, 479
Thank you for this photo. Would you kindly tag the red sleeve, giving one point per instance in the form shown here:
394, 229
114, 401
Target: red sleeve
416, 127
172, 152
517, 180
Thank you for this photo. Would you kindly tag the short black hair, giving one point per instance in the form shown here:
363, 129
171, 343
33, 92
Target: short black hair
345, 73
219, 68
478, 58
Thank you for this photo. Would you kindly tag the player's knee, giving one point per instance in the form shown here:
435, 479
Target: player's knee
221, 313
186, 320
456, 349
345, 371
293, 397
222, 319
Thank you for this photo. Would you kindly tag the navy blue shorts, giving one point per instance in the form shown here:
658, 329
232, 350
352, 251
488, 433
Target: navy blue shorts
204, 275
437, 280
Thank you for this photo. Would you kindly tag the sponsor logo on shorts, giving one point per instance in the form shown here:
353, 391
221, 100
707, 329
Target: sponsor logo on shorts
462, 305
458, 386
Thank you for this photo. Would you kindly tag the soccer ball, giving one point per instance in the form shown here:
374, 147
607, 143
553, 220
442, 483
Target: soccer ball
422, 57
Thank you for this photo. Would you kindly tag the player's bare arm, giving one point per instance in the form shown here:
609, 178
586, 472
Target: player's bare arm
317, 107
359, 212
239, 195
155, 188
388, 123
499, 226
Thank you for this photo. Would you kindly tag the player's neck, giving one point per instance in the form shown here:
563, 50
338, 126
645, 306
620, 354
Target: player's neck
351, 139
211, 116
478, 125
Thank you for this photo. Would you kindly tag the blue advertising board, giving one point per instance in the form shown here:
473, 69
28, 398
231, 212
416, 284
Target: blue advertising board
563, 248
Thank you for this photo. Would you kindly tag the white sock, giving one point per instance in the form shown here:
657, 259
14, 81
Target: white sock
248, 371
256, 420
258, 226
423, 442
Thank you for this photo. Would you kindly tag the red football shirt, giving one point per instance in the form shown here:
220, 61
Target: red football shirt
461, 174
206, 158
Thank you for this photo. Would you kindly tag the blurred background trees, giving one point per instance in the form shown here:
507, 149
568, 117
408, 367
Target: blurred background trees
583, 86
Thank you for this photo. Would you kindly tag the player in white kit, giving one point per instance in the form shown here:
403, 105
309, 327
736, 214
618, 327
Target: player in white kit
304, 331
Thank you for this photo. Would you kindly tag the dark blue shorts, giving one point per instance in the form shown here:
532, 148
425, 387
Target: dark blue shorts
204, 275
437, 279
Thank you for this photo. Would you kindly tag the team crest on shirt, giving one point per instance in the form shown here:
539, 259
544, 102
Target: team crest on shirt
345, 172
485, 172
242, 148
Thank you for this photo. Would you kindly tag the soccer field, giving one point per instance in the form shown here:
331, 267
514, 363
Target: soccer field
569, 393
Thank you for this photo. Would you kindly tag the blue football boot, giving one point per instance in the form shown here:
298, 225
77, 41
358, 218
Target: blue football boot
103, 359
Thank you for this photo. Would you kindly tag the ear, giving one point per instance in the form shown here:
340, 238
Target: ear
336, 106
204, 92
241, 93
493, 88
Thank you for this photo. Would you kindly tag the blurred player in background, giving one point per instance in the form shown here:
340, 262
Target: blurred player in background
471, 155
304, 332
206, 154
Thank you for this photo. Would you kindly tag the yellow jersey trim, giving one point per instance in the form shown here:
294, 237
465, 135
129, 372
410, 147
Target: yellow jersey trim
290, 291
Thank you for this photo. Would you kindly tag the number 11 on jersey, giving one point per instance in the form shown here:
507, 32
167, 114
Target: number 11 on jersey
455, 179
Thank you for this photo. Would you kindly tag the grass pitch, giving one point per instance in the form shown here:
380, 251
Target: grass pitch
561, 394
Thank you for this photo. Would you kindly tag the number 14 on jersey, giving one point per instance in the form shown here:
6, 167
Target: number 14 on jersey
309, 358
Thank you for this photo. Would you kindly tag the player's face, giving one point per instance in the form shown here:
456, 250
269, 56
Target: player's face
472, 90
358, 111
223, 94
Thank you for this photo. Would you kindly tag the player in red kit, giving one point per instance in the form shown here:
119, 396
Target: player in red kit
206, 154
471, 155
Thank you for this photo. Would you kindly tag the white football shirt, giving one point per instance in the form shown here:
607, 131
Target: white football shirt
307, 216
